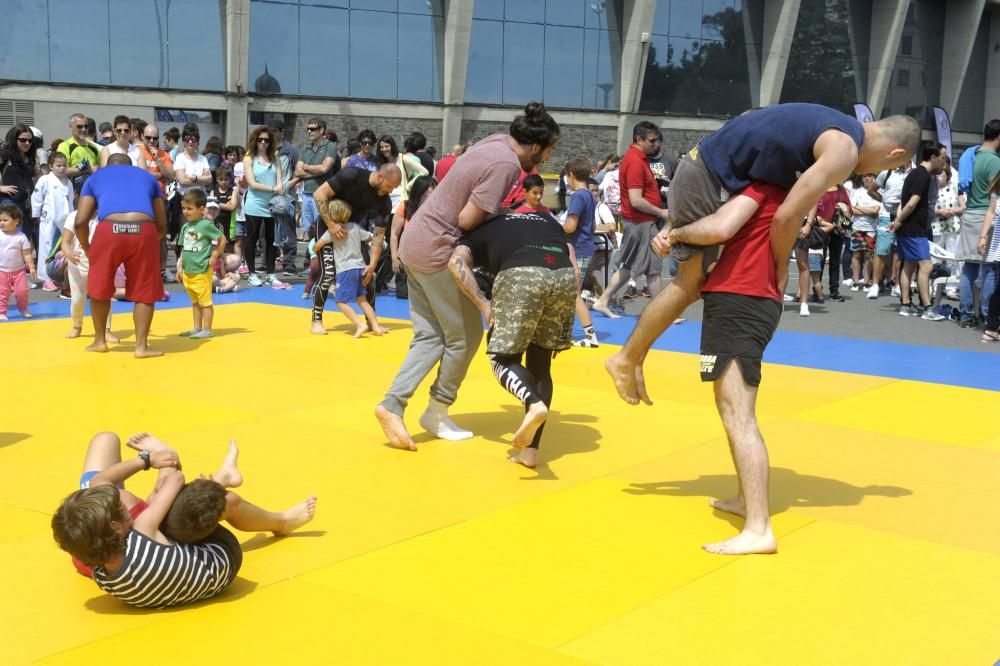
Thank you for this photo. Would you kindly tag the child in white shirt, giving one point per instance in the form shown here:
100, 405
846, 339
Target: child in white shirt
51, 202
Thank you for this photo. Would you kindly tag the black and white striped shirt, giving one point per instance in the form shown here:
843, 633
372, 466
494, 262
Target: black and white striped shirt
154, 575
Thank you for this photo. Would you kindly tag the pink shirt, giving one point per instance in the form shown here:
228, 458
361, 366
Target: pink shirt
12, 247
482, 176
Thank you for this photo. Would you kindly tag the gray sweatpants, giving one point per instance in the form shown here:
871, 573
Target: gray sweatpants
447, 328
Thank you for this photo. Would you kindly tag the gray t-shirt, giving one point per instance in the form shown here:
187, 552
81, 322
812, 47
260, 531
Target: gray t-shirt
482, 176
347, 252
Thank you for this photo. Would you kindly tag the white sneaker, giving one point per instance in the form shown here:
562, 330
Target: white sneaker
803, 310
896, 292
872, 291
254, 281
848, 282
788, 298
855, 287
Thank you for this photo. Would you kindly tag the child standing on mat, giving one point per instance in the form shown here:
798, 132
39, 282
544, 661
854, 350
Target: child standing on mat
16, 262
203, 245
353, 275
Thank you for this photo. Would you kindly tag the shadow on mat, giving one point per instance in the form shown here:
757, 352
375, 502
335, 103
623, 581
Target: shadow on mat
788, 489
261, 540
108, 605
8, 438
565, 434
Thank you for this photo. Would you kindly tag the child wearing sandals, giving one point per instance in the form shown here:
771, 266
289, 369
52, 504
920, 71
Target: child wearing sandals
125, 541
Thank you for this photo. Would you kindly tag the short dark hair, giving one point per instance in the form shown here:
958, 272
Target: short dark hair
11, 211
190, 129
579, 167
533, 180
366, 134
642, 129
138, 124
535, 126
105, 127
418, 189
173, 134
122, 120
416, 141
592, 181
992, 130
929, 149
196, 197
318, 122
196, 510
223, 172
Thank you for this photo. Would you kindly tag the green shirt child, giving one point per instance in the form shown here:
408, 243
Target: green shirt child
197, 239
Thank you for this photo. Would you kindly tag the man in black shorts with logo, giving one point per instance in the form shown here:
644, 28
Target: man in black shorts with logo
742, 307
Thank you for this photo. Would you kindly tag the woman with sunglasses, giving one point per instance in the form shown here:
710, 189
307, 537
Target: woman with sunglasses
364, 158
122, 144
264, 180
409, 164
18, 163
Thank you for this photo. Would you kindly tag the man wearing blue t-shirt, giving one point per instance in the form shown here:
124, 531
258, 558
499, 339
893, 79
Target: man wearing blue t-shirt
807, 148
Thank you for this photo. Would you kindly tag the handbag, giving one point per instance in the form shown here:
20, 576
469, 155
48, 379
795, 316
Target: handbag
281, 204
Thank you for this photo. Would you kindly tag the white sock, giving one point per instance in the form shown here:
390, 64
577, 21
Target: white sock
435, 419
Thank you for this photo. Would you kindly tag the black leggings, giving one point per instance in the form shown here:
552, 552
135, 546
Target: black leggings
529, 384
254, 226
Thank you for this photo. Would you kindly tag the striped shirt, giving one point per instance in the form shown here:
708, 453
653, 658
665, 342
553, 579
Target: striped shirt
154, 575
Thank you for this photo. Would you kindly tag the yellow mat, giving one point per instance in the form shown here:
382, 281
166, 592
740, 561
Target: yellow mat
883, 493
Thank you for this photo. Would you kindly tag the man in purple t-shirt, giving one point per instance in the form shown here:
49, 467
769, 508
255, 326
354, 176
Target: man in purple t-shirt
447, 327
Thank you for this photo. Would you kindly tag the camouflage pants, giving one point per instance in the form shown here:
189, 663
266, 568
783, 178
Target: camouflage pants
532, 305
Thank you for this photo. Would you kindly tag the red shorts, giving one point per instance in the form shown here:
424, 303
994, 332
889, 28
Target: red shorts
135, 244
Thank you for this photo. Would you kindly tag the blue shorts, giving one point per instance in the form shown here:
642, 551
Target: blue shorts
86, 477
913, 248
349, 286
815, 262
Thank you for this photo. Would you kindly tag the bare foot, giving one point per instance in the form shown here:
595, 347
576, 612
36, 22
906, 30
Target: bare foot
317, 328
533, 419
111, 338
527, 457
360, 330
146, 352
229, 474
378, 330
394, 429
99, 347
75, 333
745, 543
731, 505
143, 441
628, 378
297, 516
604, 310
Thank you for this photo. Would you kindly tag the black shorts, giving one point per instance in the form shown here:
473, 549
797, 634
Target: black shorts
738, 327
223, 537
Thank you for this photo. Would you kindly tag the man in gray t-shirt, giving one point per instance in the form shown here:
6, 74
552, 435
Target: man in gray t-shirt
318, 161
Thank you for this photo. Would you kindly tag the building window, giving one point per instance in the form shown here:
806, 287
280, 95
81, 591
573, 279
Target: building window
906, 45
917, 76
703, 57
566, 53
902, 78
375, 49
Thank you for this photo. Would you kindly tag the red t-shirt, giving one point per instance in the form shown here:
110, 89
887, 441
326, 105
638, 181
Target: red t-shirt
443, 165
525, 208
829, 201
517, 192
747, 263
635, 174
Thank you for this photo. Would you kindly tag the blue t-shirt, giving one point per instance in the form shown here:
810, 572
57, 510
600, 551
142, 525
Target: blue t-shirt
772, 145
582, 205
122, 188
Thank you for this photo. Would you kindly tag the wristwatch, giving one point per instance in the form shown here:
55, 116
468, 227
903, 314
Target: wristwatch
144, 457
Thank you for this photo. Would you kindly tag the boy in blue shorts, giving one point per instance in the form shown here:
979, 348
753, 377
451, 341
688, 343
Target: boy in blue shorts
353, 275
203, 244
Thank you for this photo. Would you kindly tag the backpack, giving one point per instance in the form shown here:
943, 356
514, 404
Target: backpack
965, 164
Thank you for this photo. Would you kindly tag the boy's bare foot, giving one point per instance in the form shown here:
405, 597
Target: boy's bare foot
99, 347
745, 543
146, 352
378, 330
297, 516
317, 328
360, 330
394, 429
732, 505
229, 473
628, 378
111, 338
143, 441
604, 310
533, 419
75, 333
527, 457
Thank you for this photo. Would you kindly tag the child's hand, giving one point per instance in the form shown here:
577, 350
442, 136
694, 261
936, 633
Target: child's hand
75, 257
34, 273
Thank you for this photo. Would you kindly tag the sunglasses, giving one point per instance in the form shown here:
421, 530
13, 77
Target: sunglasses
81, 127
312, 129
22, 139
118, 130
151, 138
366, 143
190, 139
263, 139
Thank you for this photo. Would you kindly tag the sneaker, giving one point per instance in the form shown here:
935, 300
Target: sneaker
788, 298
895, 293
65, 297
275, 283
907, 310
836, 297
617, 309
589, 342
872, 291
855, 287
585, 294
165, 297
254, 281
848, 282
33, 285
49, 285
288, 273
967, 322
305, 295
243, 270
930, 315
804, 310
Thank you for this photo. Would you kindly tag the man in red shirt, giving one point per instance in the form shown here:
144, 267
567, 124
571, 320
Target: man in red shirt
640, 207
742, 307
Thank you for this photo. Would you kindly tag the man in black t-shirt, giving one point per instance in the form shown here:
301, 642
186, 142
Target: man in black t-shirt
367, 192
913, 226
534, 298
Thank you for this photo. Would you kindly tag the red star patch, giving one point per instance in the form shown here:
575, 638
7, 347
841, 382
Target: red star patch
550, 260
